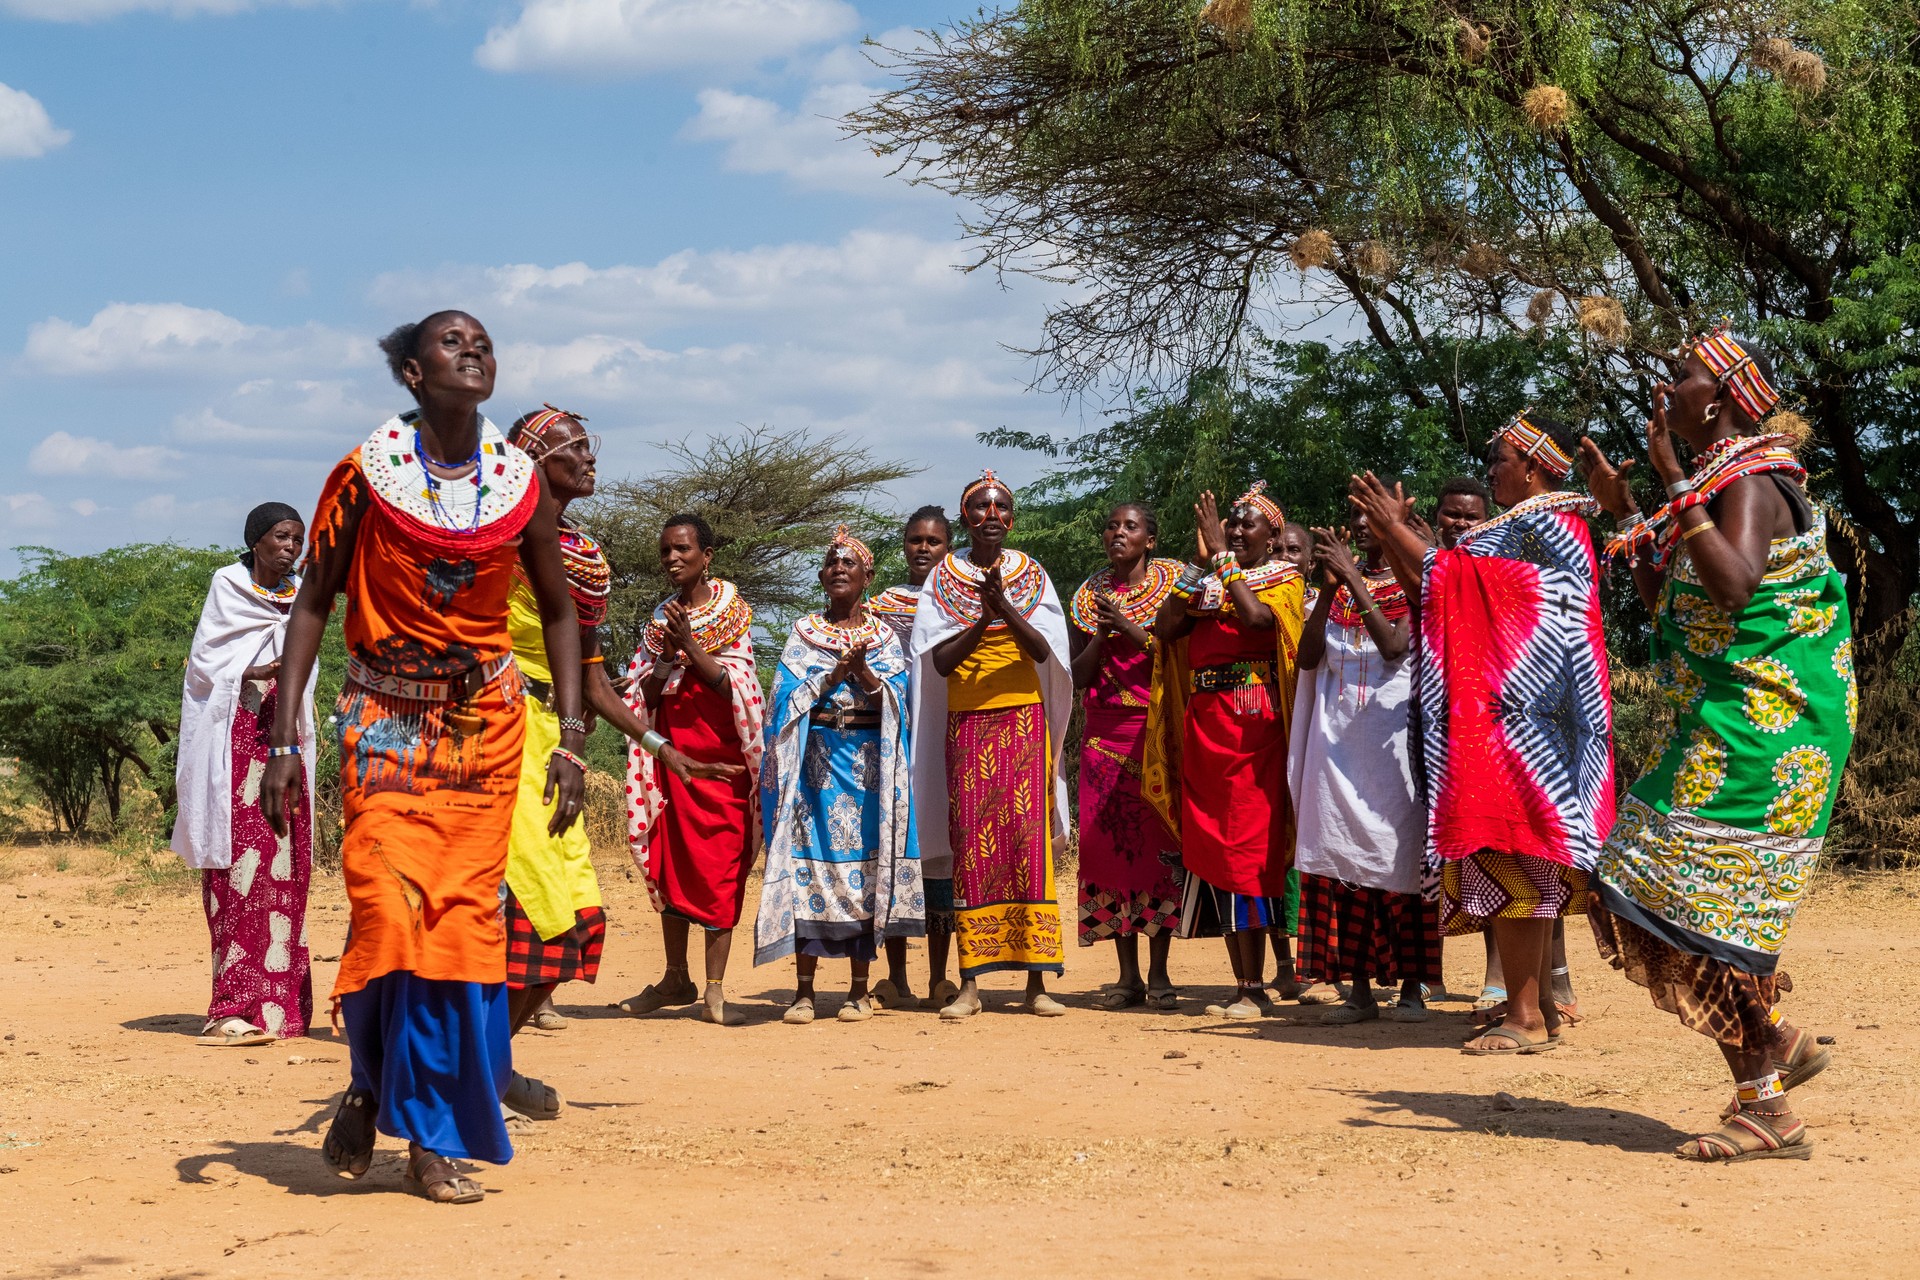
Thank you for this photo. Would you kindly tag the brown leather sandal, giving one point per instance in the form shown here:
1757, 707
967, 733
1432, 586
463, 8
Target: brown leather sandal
436, 1178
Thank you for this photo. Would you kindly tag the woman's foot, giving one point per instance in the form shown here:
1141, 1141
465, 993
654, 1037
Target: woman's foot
437, 1178
1350, 1013
1287, 984
1043, 1005
234, 1033
534, 1099
1412, 1004
888, 994
546, 1019
713, 1006
1752, 1134
348, 1149
676, 988
965, 1004
1120, 996
857, 1009
1249, 1003
1491, 1001
941, 995
801, 1011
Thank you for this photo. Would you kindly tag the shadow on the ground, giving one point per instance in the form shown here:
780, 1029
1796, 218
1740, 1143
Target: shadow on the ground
291, 1166
175, 1024
91, 1264
1594, 1126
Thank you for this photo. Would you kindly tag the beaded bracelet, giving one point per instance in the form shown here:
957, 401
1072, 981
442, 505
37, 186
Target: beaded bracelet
575, 723
1231, 574
571, 758
1221, 559
275, 752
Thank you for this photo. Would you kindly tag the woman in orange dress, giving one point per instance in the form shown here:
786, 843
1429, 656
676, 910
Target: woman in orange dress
421, 527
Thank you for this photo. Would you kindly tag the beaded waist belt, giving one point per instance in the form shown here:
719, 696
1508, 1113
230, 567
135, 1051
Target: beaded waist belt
844, 720
462, 686
1232, 675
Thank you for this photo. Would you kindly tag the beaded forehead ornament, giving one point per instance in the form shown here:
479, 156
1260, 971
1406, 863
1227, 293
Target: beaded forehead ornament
986, 478
1735, 370
1536, 444
531, 433
1256, 497
843, 537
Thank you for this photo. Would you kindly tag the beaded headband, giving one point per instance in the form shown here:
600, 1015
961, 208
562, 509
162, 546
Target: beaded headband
843, 537
1256, 497
533, 429
1734, 368
986, 478
1536, 444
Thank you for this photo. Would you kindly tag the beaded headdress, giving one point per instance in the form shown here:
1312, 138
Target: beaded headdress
1536, 444
986, 478
531, 431
843, 537
1735, 370
1256, 497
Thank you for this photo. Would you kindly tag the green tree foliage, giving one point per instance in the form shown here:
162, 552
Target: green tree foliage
774, 500
92, 650
1611, 175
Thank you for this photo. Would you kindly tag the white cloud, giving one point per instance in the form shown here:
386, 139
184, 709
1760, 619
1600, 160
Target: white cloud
151, 337
95, 10
61, 454
22, 511
26, 130
640, 36
805, 145
84, 507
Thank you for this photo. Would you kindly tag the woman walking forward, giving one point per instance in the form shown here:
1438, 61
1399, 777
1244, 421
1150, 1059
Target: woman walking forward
1359, 847
1517, 717
843, 863
1127, 854
1699, 880
253, 883
422, 527
1216, 758
694, 682
991, 670
925, 541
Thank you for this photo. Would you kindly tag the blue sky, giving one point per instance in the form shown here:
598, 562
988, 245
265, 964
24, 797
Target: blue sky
211, 208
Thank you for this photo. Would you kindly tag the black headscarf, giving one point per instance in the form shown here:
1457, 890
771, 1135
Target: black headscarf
262, 519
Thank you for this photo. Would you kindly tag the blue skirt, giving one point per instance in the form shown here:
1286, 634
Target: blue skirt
437, 1058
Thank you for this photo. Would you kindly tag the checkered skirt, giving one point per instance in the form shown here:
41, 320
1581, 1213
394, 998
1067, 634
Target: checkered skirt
533, 961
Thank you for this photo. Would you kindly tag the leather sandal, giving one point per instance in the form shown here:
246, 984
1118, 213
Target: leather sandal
438, 1179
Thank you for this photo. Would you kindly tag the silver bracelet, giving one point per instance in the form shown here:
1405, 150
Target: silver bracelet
1633, 520
1679, 487
651, 742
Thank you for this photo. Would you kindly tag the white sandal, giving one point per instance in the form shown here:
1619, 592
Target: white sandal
234, 1033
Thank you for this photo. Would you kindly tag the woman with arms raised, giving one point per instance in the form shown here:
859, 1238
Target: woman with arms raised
422, 528
1516, 714
1215, 764
555, 922
843, 864
992, 695
694, 681
253, 882
1127, 854
1700, 878
1359, 847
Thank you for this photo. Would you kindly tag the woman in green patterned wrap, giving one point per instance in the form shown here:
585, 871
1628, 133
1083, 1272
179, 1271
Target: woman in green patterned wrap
1711, 851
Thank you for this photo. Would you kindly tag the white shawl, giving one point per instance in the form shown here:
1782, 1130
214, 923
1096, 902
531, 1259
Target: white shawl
931, 626
237, 630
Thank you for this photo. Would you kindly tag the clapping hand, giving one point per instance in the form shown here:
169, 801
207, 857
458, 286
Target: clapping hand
1607, 482
1208, 530
1383, 507
1332, 557
679, 626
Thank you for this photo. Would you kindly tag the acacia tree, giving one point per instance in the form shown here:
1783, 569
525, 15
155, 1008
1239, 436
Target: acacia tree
773, 498
1617, 174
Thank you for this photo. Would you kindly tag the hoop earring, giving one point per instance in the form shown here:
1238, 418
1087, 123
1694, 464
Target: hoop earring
1713, 411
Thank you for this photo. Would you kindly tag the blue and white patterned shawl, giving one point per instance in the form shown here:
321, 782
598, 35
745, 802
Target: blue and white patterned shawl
898, 900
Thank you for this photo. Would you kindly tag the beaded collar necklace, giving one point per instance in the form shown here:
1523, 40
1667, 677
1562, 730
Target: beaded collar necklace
1138, 604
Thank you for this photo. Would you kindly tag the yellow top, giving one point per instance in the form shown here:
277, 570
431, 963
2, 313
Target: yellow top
529, 637
995, 676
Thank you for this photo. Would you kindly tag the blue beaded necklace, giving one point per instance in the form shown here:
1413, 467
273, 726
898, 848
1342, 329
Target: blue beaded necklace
441, 515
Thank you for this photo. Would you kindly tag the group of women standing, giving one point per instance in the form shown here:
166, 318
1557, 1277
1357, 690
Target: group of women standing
1384, 747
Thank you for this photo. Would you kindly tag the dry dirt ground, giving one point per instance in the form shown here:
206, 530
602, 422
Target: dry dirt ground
1129, 1143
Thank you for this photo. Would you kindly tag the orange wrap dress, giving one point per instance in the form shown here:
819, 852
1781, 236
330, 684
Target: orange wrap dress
429, 729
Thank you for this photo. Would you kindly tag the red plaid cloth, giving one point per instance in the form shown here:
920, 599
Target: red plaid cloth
536, 962
1345, 932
